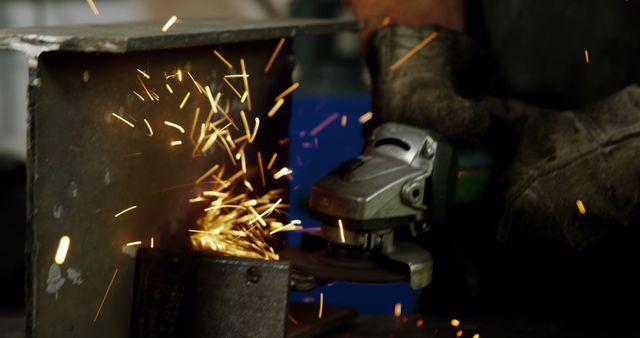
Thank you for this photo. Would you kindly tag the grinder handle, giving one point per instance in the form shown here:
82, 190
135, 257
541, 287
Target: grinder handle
473, 166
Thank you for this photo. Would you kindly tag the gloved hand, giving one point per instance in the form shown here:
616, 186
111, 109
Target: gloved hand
422, 91
558, 157
561, 157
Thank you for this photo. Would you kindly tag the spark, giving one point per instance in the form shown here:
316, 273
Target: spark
293, 320
250, 203
264, 183
413, 51
149, 127
225, 206
282, 172
197, 199
287, 227
228, 149
459, 333
93, 7
243, 161
151, 242
386, 21
246, 124
152, 95
272, 160
193, 125
275, 108
184, 101
245, 80
288, 91
176, 143
123, 120
419, 323
213, 138
365, 117
169, 23
266, 212
196, 83
321, 305
133, 243
222, 59
235, 176
207, 174
244, 96
174, 125
455, 323
125, 210
586, 55
214, 193
104, 298
63, 248
86, 76
211, 101
343, 121
255, 130
581, 209
248, 185
323, 124
477, 335
235, 91
143, 73
283, 141
397, 310
169, 88
210, 142
341, 230
258, 217
274, 55
179, 75
217, 107
138, 95
235, 75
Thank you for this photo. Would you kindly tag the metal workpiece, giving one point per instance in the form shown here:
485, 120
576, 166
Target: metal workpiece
144, 36
85, 165
190, 295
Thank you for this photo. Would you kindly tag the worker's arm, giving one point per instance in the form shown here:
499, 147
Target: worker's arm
379, 13
422, 90
548, 159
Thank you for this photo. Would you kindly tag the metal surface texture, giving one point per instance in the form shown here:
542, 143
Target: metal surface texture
192, 295
142, 36
85, 166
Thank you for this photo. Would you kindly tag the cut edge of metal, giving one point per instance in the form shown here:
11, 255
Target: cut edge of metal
33, 41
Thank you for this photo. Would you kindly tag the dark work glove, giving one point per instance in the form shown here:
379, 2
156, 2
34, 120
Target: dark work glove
422, 90
555, 158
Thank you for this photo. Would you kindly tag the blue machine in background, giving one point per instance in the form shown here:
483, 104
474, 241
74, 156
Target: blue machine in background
315, 151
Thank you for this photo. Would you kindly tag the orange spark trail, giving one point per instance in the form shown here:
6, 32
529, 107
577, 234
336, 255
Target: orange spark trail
169, 23
104, 298
274, 55
323, 124
413, 51
288, 91
94, 9
222, 59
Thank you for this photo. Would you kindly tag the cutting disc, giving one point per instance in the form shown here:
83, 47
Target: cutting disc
331, 264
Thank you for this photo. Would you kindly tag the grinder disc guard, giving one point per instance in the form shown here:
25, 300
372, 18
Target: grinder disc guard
330, 262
